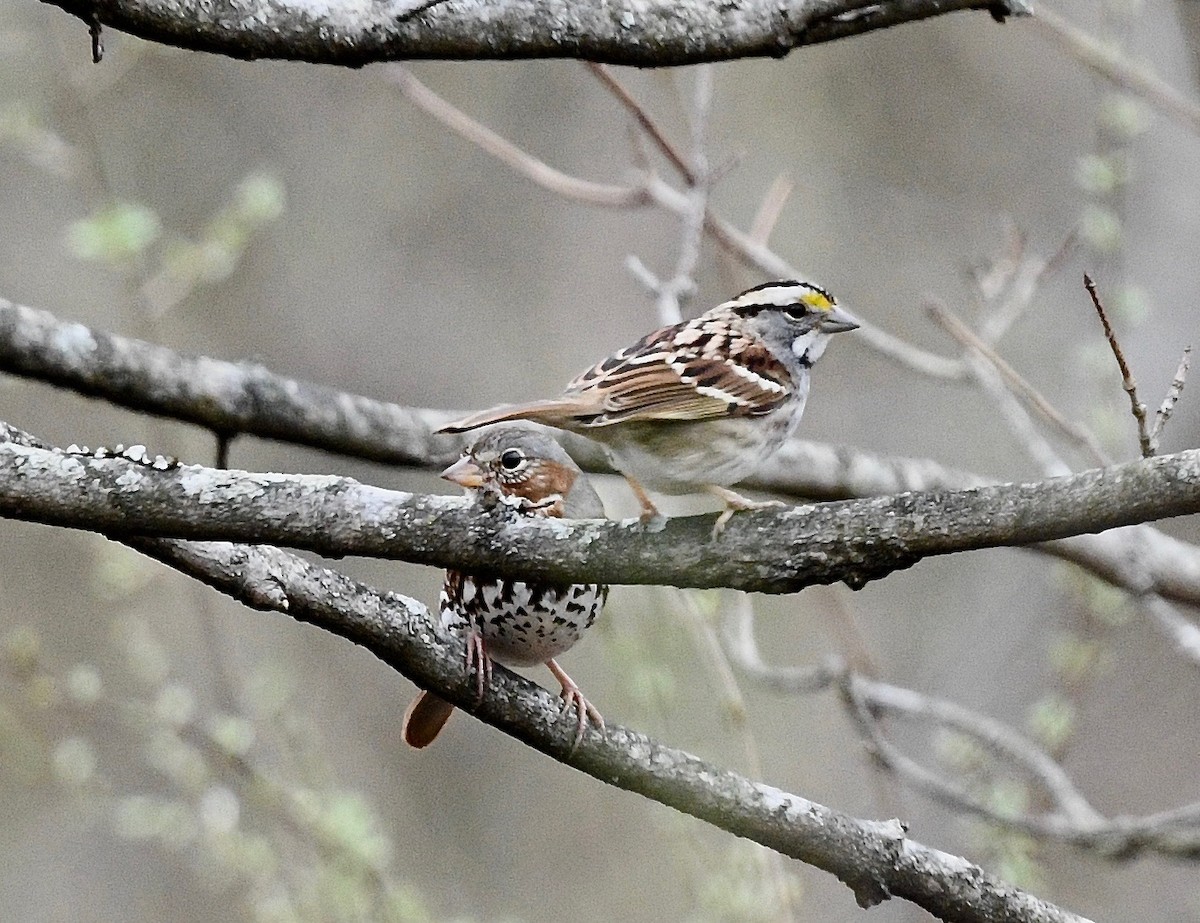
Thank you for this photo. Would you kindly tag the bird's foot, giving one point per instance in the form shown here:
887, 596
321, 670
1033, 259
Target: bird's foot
572, 697
650, 518
736, 503
478, 660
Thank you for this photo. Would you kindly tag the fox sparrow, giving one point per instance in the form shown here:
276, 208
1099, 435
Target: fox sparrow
517, 623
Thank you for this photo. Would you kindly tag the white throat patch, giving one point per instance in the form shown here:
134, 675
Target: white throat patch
810, 346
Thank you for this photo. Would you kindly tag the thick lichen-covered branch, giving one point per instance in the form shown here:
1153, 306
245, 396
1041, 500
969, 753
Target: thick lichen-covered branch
234, 398
649, 33
765, 551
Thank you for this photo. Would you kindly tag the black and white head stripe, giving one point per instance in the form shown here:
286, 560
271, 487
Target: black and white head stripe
780, 295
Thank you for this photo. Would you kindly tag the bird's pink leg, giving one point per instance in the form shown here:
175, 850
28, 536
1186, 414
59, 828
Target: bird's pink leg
650, 513
479, 661
735, 502
573, 698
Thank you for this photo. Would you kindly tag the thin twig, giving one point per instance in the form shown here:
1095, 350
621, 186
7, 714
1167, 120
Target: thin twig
1073, 820
1021, 287
771, 208
991, 280
1100, 57
656, 191
506, 152
604, 74
1127, 380
947, 320
670, 294
1173, 394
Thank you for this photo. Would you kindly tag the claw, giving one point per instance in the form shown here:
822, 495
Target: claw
479, 661
649, 514
573, 698
734, 503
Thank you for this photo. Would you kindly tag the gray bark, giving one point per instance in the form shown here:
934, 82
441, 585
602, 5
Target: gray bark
873, 858
648, 33
765, 551
232, 398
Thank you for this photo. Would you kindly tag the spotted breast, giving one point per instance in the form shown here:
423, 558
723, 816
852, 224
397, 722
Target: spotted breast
515, 622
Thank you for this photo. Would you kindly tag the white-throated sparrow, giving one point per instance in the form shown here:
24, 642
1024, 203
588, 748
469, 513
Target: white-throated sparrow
702, 403
519, 624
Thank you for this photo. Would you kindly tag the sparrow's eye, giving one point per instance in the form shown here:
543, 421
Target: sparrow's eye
512, 459
797, 311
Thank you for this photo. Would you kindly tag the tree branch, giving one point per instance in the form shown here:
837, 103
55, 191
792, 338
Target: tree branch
234, 398
874, 858
762, 551
647, 34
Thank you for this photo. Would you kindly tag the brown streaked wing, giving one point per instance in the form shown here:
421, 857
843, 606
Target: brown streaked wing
662, 378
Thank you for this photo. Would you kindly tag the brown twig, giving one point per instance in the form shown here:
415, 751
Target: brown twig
771, 208
654, 191
508, 153
671, 293
1127, 379
604, 74
1034, 398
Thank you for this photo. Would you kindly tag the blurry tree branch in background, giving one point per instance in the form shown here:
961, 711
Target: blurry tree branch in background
651, 189
656, 33
1069, 816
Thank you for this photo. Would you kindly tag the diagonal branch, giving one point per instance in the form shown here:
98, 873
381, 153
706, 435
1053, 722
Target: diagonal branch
651, 33
874, 858
745, 247
854, 541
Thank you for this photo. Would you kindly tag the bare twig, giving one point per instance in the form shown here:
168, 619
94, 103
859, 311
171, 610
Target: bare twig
770, 209
671, 293
1173, 394
1116, 67
882, 699
1018, 419
654, 190
509, 154
1183, 633
605, 75
1034, 398
1127, 379
1022, 286
1072, 819
738, 636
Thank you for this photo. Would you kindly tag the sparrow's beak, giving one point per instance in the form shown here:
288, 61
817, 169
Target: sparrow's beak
838, 321
465, 473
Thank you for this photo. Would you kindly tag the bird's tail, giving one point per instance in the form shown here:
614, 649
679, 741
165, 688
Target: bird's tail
425, 718
560, 413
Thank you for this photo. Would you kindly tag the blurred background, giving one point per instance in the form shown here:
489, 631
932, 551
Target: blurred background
314, 220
